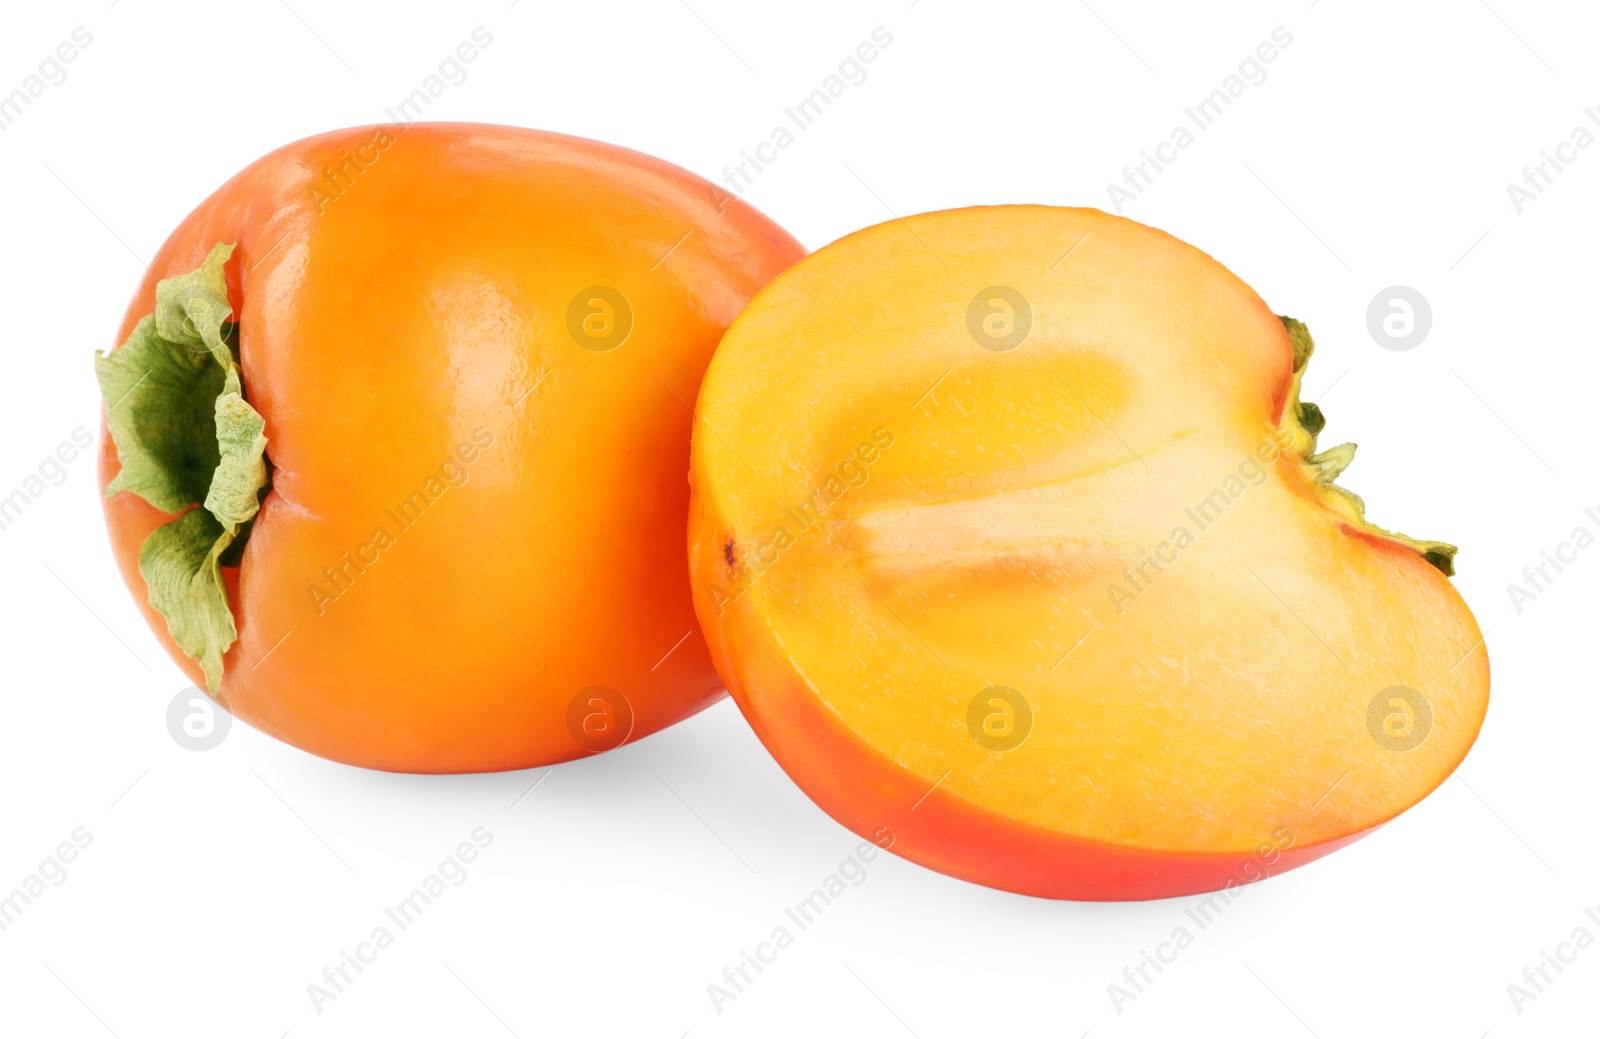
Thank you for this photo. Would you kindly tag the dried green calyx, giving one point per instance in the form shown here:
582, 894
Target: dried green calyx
189, 445
1299, 428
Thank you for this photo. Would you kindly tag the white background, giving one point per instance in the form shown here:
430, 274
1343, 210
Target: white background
1376, 153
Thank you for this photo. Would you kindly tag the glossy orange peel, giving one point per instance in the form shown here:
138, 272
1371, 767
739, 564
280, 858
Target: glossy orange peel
472, 352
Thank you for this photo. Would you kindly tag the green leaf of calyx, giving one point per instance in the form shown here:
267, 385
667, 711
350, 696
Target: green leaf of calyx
179, 564
186, 437
1300, 424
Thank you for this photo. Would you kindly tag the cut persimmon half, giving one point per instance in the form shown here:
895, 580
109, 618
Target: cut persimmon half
1011, 539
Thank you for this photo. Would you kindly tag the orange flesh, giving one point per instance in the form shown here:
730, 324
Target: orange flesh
1015, 521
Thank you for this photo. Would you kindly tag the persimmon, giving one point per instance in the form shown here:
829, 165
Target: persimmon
397, 434
1011, 539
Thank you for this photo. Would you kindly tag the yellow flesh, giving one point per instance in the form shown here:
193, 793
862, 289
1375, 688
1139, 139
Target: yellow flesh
1223, 704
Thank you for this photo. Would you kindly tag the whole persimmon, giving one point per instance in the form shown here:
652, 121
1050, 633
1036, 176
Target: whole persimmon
1011, 538
396, 438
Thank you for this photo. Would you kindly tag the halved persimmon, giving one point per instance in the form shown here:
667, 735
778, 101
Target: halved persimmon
1011, 540
397, 439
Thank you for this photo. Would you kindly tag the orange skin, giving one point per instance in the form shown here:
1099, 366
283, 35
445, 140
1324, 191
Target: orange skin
418, 302
868, 793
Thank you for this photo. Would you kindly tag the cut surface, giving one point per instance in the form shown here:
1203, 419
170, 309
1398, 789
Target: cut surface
1060, 455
